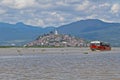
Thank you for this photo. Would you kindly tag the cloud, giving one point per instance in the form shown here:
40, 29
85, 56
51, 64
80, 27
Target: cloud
61, 3
57, 12
104, 5
2, 11
35, 22
92, 16
57, 15
83, 6
19, 4
115, 8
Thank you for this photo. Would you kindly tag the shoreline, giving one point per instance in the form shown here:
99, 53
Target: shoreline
35, 51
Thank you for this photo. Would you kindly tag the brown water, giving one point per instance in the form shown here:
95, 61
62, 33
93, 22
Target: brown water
78, 66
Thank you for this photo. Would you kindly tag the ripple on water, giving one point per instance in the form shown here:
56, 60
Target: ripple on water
60, 67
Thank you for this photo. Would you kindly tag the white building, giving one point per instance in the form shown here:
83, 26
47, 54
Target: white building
56, 32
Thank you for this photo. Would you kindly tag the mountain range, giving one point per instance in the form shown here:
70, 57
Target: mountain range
19, 34
90, 29
94, 29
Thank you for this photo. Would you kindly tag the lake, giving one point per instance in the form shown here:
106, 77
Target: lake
73, 66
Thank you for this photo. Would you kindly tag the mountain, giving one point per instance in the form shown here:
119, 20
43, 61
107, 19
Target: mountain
94, 29
20, 33
90, 29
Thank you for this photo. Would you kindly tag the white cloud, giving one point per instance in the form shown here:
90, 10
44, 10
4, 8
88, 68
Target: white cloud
57, 16
61, 3
91, 16
115, 8
2, 11
45, 6
57, 12
19, 4
83, 6
104, 5
35, 22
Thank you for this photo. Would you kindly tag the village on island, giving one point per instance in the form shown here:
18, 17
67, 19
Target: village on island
55, 39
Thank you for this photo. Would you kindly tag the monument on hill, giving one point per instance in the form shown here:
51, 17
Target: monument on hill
56, 32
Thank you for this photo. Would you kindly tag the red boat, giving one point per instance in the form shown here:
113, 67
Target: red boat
99, 45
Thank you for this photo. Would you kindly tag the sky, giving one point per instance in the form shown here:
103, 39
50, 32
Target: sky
44, 13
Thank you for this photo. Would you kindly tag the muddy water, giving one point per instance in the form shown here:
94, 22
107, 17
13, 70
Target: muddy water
78, 66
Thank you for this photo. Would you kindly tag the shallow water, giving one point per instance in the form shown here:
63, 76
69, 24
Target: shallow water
78, 66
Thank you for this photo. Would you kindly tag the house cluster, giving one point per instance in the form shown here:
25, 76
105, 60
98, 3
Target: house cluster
58, 40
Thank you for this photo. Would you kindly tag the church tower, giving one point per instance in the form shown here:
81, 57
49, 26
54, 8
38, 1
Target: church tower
56, 32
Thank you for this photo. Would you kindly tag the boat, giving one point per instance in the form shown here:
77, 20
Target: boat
100, 45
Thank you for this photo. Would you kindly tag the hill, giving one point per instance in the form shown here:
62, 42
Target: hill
54, 39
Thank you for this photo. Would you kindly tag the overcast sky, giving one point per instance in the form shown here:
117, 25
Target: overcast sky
58, 12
